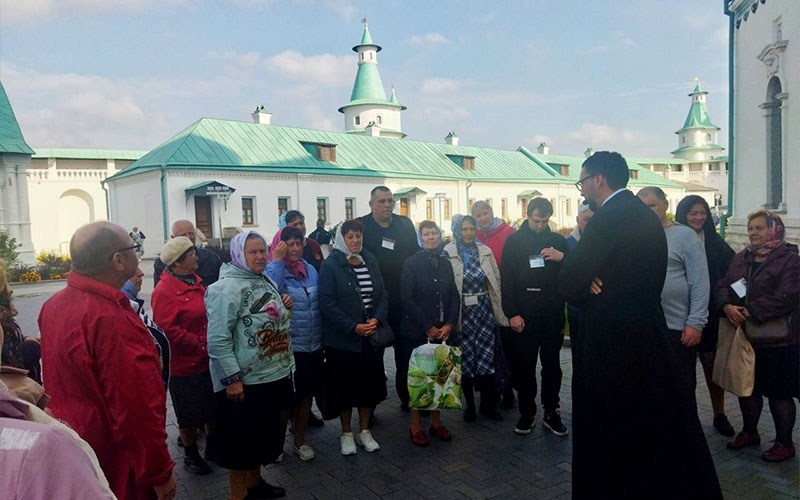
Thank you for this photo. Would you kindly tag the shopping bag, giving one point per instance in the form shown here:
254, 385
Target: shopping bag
735, 361
434, 377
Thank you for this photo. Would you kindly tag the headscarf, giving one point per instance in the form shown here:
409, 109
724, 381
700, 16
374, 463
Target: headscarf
467, 252
237, 249
296, 267
130, 290
436, 252
339, 244
776, 232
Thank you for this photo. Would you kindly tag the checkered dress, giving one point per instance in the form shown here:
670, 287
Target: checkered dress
477, 324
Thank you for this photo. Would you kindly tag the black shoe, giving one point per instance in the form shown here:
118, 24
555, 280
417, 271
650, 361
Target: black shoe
196, 465
210, 453
469, 415
723, 426
315, 421
552, 420
507, 403
524, 424
491, 414
264, 490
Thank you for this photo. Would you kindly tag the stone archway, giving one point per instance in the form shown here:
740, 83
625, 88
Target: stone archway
75, 208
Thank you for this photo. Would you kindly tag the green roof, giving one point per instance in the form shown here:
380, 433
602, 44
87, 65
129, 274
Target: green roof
697, 89
89, 154
409, 191
698, 118
372, 102
646, 176
11, 139
366, 39
250, 147
707, 147
368, 86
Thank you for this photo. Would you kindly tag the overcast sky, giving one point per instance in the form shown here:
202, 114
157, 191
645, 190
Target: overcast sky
131, 74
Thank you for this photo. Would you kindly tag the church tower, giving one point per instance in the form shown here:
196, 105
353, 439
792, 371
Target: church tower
697, 139
369, 111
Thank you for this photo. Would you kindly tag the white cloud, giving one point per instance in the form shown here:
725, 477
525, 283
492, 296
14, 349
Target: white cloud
442, 114
343, 8
30, 10
324, 70
436, 85
621, 41
600, 135
428, 39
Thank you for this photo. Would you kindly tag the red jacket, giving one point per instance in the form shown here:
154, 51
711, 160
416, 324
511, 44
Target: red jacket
101, 368
180, 310
495, 239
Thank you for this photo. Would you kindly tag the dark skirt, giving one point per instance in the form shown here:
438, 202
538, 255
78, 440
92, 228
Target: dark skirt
355, 379
777, 372
248, 433
308, 374
193, 400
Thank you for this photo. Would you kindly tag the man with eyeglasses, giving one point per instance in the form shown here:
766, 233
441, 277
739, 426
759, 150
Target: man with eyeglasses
101, 367
635, 430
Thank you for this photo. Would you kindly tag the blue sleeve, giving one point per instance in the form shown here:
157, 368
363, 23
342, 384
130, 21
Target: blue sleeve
276, 271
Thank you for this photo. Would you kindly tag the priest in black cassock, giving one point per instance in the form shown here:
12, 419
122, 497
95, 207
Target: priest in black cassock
635, 434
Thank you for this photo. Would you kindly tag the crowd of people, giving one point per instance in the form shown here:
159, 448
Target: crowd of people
245, 347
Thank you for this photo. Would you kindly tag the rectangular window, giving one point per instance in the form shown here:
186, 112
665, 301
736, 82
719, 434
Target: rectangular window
283, 205
326, 152
349, 208
358, 120
489, 201
634, 173
447, 209
429, 209
568, 206
468, 163
523, 204
504, 208
322, 209
565, 170
248, 211
404, 206
553, 203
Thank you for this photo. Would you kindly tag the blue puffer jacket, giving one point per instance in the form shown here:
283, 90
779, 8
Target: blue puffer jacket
306, 315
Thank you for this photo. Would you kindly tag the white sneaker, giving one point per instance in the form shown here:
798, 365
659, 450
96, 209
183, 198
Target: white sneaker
366, 440
348, 444
304, 452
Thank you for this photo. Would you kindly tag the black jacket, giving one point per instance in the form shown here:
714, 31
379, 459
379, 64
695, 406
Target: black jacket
208, 265
429, 292
624, 381
718, 255
530, 292
340, 300
402, 231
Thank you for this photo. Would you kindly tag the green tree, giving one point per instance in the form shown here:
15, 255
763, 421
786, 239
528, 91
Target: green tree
8, 249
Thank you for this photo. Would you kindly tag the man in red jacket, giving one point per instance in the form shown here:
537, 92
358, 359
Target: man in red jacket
101, 367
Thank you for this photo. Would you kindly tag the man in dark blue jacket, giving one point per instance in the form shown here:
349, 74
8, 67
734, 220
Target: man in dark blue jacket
208, 263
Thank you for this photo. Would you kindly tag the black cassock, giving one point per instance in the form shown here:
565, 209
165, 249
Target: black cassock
635, 435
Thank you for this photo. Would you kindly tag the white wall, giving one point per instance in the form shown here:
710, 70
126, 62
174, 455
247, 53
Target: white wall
136, 201
390, 116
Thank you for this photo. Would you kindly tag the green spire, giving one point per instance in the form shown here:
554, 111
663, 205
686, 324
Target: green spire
366, 39
393, 98
368, 84
698, 114
11, 139
697, 89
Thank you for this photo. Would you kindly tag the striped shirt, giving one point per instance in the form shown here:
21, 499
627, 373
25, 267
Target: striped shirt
364, 281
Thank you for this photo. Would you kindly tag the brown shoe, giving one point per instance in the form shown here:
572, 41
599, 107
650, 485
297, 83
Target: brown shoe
743, 440
418, 437
778, 453
441, 432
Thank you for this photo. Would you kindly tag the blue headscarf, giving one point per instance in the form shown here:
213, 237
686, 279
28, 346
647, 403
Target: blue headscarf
467, 252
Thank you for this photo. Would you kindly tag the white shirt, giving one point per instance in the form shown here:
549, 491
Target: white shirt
614, 194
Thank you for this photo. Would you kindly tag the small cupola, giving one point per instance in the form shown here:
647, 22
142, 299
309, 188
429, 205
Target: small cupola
261, 115
451, 139
543, 148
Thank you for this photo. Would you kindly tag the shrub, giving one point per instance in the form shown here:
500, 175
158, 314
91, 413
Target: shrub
31, 276
15, 273
53, 265
8, 249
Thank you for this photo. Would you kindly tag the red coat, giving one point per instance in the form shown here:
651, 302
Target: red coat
495, 239
180, 310
101, 368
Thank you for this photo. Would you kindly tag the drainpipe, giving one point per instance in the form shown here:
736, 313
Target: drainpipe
723, 225
108, 203
469, 184
164, 214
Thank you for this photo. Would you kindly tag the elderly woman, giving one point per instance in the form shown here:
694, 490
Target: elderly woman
312, 252
17, 351
430, 312
353, 300
477, 278
295, 277
763, 284
693, 211
251, 366
180, 311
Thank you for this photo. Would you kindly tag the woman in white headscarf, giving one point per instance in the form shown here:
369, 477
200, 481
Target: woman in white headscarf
353, 301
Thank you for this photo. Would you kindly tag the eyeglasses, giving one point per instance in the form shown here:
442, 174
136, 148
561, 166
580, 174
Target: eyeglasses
579, 184
136, 248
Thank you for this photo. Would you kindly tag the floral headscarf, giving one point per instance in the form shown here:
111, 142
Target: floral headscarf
237, 249
296, 267
467, 252
339, 244
776, 234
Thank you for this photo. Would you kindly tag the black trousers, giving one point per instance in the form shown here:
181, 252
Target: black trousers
541, 340
403, 347
686, 359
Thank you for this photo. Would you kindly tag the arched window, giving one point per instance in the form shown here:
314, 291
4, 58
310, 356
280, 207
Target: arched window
362, 56
378, 120
774, 144
358, 120
708, 137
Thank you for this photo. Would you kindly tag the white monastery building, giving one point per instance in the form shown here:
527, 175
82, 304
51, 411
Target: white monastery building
765, 84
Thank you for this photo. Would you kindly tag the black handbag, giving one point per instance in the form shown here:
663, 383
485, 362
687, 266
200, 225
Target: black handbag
770, 332
383, 336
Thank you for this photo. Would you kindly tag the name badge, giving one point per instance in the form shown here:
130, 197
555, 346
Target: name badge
470, 300
536, 261
740, 287
387, 243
